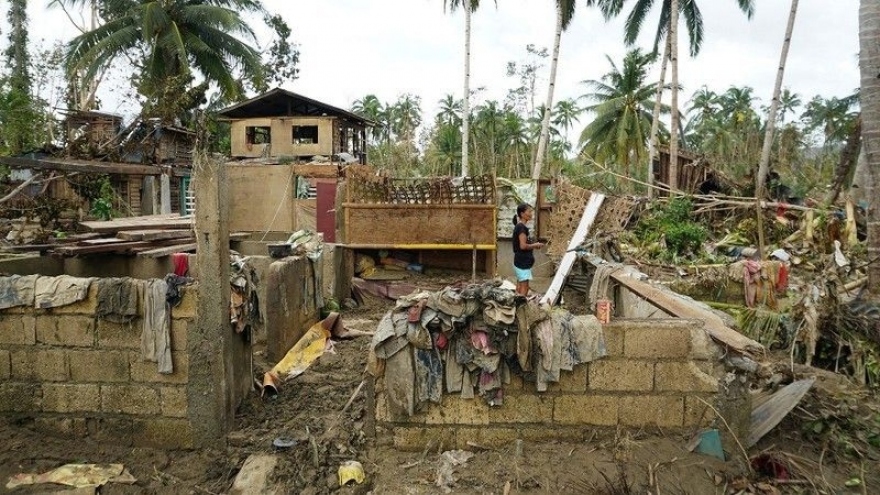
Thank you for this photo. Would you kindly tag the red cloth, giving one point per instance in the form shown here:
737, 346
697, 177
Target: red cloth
181, 263
782, 282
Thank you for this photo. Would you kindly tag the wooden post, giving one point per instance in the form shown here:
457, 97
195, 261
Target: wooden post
474, 264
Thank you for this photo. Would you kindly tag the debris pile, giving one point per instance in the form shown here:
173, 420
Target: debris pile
473, 338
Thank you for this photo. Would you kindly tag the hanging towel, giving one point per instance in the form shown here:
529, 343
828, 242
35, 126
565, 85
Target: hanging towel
181, 264
156, 335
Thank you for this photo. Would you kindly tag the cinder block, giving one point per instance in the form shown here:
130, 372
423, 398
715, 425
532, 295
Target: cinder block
599, 410
621, 375
416, 438
98, 366
702, 345
524, 408
697, 413
18, 329
112, 335
683, 377
187, 306
85, 307
5, 365
39, 365
614, 340
71, 427
491, 437
179, 329
571, 381
165, 433
665, 341
147, 372
174, 402
544, 434
647, 410
436, 414
68, 331
67, 398
129, 399
19, 397
472, 411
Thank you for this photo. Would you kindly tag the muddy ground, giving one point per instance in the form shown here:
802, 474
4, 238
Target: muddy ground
310, 411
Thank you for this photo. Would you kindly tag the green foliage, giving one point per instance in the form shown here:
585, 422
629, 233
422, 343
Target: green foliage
673, 224
102, 206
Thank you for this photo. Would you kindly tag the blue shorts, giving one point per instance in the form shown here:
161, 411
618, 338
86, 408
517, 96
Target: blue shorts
522, 274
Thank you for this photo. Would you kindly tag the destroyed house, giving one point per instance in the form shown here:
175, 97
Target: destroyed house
282, 124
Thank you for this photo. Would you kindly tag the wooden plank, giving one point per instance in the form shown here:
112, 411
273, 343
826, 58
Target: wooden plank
591, 211
86, 166
677, 306
119, 247
167, 251
103, 241
140, 223
154, 234
395, 206
420, 226
415, 247
770, 413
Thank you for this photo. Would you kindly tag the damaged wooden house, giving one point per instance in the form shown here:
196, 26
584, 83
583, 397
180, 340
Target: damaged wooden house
147, 165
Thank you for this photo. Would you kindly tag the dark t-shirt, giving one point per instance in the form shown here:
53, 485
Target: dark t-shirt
522, 258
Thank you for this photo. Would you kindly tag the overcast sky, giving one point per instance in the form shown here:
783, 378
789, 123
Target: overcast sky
350, 48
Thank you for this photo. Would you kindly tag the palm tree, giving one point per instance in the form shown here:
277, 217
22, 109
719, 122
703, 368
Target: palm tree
667, 26
169, 39
764, 166
469, 6
450, 110
564, 13
869, 58
834, 116
620, 131
566, 113
371, 108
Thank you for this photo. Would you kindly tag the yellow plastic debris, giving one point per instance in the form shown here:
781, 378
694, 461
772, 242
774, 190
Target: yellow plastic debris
351, 471
305, 352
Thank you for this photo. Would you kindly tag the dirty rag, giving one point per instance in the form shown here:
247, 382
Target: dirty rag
181, 263
17, 290
174, 282
118, 299
52, 292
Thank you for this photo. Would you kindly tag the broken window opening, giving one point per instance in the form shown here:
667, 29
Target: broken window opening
258, 135
305, 134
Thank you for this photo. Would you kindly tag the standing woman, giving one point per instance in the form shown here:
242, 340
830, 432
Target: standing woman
523, 257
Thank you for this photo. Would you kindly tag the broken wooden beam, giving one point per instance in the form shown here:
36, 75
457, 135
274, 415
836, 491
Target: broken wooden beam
116, 247
677, 306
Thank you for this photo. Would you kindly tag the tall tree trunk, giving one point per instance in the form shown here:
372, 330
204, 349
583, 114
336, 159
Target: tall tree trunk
466, 106
869, 57
655, 120
847, 163
545, 123
764, 166
673, 54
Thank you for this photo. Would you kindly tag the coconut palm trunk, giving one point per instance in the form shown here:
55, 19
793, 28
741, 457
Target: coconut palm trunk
869, 57
655, 119
673, 129
764, 166
466, 107
545, 122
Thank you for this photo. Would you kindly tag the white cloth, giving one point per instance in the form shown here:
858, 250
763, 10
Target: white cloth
156, 335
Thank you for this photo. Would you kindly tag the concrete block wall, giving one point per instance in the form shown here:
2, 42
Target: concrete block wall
71, 373
290, 304
658, 373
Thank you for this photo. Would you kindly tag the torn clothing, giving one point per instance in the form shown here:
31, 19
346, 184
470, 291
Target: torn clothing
118, 299
156, 334
17, 290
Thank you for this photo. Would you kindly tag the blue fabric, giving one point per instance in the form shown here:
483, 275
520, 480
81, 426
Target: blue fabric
522, 274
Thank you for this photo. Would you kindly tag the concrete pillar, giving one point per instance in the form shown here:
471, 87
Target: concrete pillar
165, 193
150, 197
219, 375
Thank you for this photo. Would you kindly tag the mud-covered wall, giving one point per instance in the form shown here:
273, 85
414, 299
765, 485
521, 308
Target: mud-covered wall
70, 372
658, 373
